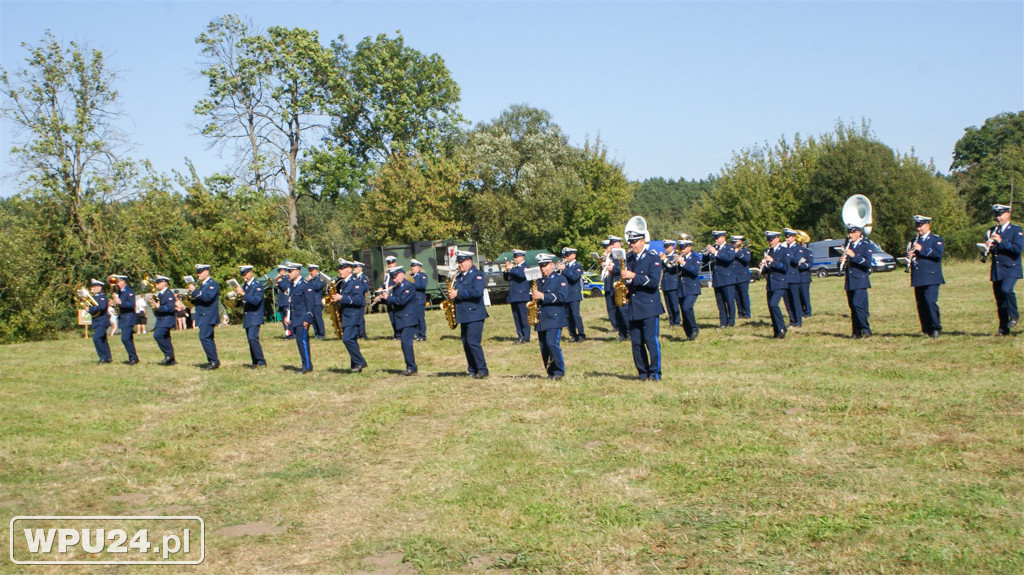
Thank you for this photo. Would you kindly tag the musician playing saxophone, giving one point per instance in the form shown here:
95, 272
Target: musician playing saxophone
351, 297
550, 295
468, 294
613, 272
251, 293
643, 274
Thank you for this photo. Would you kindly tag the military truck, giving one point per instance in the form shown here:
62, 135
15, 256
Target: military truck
432, 254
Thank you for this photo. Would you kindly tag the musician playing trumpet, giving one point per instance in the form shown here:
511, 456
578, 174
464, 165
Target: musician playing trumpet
722, 279
925, 257
550, 295
206, 314
351, 298
165, 309
1005, 244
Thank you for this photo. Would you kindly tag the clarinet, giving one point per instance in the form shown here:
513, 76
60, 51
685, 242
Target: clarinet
912, 255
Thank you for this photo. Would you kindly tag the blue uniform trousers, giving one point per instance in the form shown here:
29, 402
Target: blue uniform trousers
743, 299
519, 317
472, 333
284, 313
928, 307
162, 335
609, 304
206, 338
858, 301
643, 334
575, 319
252, 334
672, 306
689, 320
128, 339
793, 305
99, 339
805, 299
406, 336
724, 297
318, 321
301, 334
394, 326
778, 322
1006, 302
351, 340
421, 326
551, 351
620, 319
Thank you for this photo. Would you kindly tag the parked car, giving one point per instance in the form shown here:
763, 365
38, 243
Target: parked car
828, 252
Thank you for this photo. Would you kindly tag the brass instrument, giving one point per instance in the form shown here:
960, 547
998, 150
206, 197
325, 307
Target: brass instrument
232, 300
856, 212
334, 307
112, 284
532, 309
185, 296
802, 237
449, 306
148, 289
84, 298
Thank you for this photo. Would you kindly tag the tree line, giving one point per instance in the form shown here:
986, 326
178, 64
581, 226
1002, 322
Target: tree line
334, 148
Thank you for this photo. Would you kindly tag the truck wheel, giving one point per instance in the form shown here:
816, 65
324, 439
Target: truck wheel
596, 292
822, 273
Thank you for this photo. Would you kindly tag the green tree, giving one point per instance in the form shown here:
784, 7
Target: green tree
669, 206
988, 163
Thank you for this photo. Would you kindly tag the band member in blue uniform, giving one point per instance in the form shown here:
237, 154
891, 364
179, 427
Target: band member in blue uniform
100, 321
468, 294
518, 294
722, 279
670, 283
792, 297
613, 270
1005, 242
550, 297
126, 318
351, 297
774, 271
281, 285
741, 272
804, 263
357, 274
165, 310
419, 279
402, 298
925, 255
609, 294
299, 315
251, 292
858, 280
316, 281
389, 263
572, 271
689, 287
643, 276
206, 297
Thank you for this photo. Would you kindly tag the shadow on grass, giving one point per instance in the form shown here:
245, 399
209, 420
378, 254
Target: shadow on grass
292, 368
629, 377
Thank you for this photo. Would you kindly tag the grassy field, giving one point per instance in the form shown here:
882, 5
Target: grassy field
815, 454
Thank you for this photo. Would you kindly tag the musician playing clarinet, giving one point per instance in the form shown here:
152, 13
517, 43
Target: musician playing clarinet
925, 256
1005, 241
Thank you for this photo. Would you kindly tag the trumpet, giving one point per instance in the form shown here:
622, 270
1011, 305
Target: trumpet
84, 298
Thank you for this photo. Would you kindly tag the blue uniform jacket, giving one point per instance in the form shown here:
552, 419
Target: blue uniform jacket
1006, 254
804, 267
165, 311
689, 275
792, 263
927, 267
858, 267
670, 274
100, 318
126, 311
352, 302
775, 273
252, 304
573, 273
301, 303
205, 298
741, 266
721, 271
318, 284
552, 308
644, 299
281, 285
469, 301
420, 281
518, 286
612, 276
403, 301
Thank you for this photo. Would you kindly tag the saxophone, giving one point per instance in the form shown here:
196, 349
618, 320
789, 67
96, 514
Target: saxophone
621, 293
335, 308
532, 309
449, 306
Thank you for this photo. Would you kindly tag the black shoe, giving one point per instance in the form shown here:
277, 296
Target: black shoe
259, 365
103, 361
319, 337
420, 339
132, 362
865, 334
289, 337
305, 371
654, 377
1002, 332
642, 377
212, 365
780, 335
480, 375
167, 361
573, 339
581, 338
935, 334
518, 341
409, 372
622, 338
357, 369
691, 337
555, 377
1011, 323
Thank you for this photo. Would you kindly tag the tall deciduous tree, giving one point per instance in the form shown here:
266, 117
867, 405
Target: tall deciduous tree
988, 163
284, 79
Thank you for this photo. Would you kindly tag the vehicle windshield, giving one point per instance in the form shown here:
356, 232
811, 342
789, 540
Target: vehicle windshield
877, 248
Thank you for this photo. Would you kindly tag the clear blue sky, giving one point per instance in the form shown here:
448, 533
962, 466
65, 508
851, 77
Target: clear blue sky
673, 88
